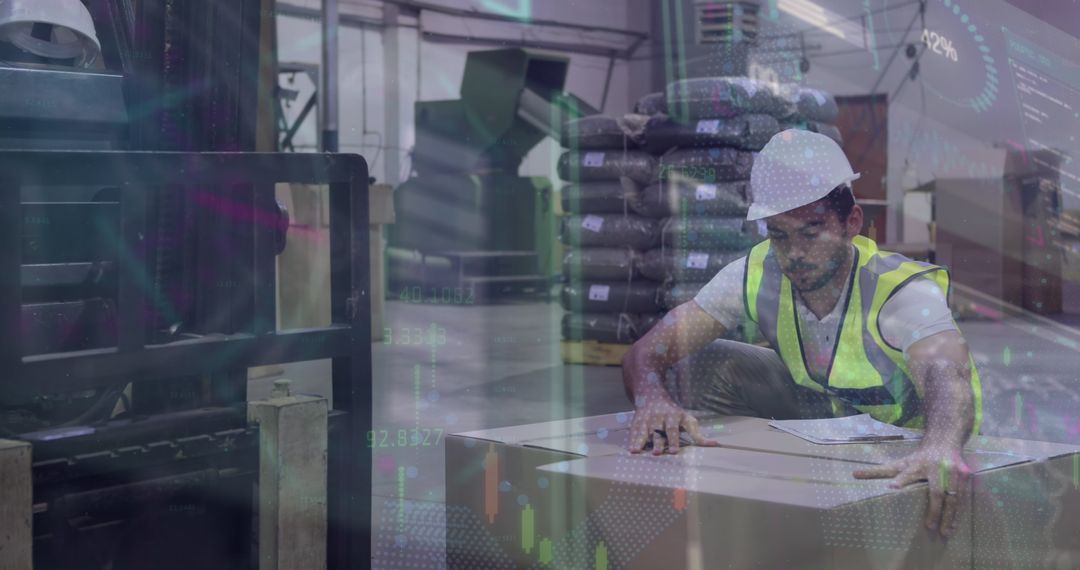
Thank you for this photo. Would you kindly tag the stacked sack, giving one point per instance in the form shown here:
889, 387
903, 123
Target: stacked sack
656, 201
815, 111
606, 297
704, 133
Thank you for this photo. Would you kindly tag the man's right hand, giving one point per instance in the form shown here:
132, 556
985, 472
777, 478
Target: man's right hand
657, 418
660, 420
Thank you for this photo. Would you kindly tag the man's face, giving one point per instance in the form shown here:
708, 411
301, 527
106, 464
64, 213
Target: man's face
811, 244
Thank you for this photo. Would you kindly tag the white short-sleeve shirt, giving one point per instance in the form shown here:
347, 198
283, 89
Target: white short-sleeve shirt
918, 310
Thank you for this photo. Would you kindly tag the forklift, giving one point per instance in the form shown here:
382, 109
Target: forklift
138, 242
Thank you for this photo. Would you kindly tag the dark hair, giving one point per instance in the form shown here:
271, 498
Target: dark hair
841, 200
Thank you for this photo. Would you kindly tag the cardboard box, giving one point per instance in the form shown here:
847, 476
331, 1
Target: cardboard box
487, 471
568, 495
304, 266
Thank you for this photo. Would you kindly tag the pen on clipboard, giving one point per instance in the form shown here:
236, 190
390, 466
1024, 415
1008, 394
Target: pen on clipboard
876, 438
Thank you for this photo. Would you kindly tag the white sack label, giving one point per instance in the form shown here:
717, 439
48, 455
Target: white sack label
818, 96
697, 260
708, 127
751, 86
594, 159
706, 192
599, 292
592, 223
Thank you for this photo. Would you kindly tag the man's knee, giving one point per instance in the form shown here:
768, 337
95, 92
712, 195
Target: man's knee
736, 378
723, 370
740, 362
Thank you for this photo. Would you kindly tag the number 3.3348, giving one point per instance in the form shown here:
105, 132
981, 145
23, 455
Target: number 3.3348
433, 335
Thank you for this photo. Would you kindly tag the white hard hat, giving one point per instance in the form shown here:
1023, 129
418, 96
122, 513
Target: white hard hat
74, 36
796, 168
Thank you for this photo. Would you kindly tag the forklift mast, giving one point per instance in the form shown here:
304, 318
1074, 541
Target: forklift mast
138, 251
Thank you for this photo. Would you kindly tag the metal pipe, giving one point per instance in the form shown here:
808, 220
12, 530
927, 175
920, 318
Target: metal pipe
607, 84
122, 497
315, 15
125, 433
439, 37
478, 15
392, 94
353, 21
328, 99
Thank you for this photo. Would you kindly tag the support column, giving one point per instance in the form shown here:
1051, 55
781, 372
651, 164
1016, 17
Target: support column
16, 506
292, 479
392, 93
328, 91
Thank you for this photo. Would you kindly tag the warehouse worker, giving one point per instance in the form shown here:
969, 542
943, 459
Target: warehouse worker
852, 330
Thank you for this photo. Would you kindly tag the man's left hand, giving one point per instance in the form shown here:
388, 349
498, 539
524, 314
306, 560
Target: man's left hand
943, 468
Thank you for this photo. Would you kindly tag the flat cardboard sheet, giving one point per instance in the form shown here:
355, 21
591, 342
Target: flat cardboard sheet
982, 453
848, 429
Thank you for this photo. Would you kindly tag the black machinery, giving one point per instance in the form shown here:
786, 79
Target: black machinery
137, 246
467, 220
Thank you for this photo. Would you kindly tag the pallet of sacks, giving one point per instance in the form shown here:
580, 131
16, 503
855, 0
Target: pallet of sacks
816, 111
735, 111
609, 304
656, 201
705, 134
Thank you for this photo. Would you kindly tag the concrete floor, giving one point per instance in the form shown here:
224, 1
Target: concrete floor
500, 366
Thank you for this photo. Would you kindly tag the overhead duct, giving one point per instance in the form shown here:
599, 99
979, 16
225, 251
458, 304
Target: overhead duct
706, 38
725, 22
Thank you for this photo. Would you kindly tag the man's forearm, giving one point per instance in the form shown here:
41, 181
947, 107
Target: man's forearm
683, 331
642, 376
949, 404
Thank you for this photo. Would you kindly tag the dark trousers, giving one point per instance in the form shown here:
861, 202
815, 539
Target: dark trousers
738, 379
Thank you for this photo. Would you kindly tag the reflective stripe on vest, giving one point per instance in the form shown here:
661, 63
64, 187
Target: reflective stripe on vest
865, 372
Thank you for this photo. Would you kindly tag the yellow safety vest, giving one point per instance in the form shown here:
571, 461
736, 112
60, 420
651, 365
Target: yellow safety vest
866, 372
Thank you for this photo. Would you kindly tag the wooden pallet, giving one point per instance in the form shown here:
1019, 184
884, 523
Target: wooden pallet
593, 353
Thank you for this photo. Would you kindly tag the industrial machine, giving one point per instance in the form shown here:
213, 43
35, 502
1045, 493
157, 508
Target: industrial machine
466, 216
138, 236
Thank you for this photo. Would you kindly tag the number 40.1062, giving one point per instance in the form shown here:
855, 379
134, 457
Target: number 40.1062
444, 295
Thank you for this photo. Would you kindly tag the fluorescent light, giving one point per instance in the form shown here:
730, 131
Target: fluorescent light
805, 5
814, 15
814, 18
